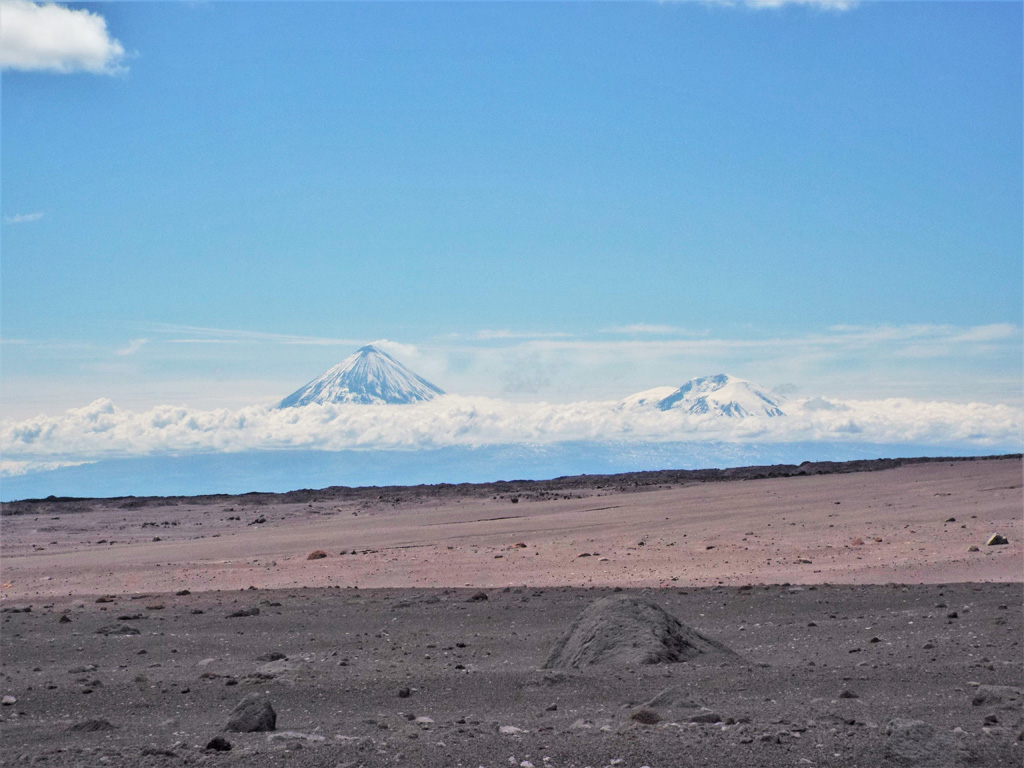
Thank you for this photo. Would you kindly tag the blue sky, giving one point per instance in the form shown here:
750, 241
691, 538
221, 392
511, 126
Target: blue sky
529, 200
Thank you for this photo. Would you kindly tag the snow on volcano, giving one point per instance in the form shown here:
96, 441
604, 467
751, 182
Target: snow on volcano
369, 376
722, 395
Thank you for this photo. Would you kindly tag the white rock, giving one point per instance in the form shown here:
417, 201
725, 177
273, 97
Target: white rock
510, 730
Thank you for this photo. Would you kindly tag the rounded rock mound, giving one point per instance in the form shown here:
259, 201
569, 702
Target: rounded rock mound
626, 630
252, 714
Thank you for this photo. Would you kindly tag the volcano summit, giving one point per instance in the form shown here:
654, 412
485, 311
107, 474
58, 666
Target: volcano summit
722, 395
369, 376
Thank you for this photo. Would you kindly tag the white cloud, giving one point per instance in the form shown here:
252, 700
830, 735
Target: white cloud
191, 334
645, 328
396, 348
101, 430
877, 333
23, 218
53, 38
15, 468
506, 335
981, 333
134, 346
827, 5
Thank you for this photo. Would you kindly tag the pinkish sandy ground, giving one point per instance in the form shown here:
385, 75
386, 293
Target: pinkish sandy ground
862, 528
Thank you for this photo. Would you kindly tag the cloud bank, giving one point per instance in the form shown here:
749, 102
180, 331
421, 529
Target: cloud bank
52, 38
101, 430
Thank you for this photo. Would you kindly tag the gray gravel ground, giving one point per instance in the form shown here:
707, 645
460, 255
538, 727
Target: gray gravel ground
831, 673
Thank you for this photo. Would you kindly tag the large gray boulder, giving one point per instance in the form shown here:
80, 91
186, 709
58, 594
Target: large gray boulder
253, 713
920, 744
1001, 696
625, 630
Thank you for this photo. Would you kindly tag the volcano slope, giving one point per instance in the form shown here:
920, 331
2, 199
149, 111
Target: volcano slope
425, 643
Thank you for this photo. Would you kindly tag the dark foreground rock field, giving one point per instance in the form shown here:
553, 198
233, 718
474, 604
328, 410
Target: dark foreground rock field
826, 675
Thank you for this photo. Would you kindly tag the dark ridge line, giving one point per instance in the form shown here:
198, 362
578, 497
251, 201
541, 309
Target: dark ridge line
515, 489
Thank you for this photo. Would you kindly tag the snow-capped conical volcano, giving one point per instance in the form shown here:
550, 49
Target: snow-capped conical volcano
724, 395
369, 376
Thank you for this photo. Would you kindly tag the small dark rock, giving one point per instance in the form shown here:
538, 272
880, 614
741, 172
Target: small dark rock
157, 752
218, 744
90, 726
477, 597
118, 629
243, 612
705, 717
646, 716
404, 693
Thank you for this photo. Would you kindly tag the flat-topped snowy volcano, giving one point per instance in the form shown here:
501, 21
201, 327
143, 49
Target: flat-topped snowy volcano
721, 394
369, 376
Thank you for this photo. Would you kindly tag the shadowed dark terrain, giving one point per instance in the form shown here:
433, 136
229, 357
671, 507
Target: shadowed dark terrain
430, 677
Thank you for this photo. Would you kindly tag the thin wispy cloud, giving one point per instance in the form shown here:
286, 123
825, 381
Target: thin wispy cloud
23, 218
935, 361
825, 5
134, 346
53, 38
995, 331
190, 334
507, 335
838, 336
654, 330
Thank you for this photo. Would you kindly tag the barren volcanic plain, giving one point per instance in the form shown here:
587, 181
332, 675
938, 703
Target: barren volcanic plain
866, 619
